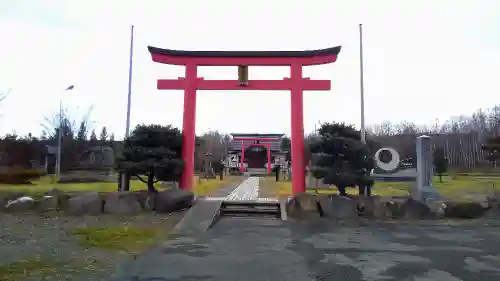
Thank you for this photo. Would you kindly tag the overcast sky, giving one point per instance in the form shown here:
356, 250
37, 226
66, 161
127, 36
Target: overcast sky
423, 60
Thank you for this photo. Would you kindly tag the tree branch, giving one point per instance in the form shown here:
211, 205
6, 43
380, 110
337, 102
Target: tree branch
141, 179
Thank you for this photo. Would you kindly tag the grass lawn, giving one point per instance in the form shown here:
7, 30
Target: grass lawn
460, 188
93, 248
128, 239
23, 269
203, 187
38, 188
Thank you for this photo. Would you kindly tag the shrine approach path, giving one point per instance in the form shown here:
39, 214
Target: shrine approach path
264, 249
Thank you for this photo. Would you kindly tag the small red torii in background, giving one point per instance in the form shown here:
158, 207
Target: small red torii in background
296, 84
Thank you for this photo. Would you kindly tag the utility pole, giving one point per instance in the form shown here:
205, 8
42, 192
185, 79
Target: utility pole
124, 177
361, 82
60, 136
129, 97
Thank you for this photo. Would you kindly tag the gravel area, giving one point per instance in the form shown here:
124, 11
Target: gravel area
49, 238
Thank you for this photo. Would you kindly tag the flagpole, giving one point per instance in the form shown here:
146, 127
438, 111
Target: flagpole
124, 182
361, 82
129, 97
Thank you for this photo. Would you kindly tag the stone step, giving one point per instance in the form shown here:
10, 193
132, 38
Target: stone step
250, 208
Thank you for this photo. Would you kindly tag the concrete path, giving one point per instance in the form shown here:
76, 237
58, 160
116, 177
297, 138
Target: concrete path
253, 249
247, 190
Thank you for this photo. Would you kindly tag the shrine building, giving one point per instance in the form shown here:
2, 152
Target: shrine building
255, 152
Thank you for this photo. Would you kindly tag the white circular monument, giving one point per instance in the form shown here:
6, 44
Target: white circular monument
391, 165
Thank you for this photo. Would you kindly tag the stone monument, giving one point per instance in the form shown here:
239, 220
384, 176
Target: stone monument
424, 191
395, 169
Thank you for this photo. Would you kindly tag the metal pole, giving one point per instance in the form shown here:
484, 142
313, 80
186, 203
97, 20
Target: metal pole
362, 88
129, 98
59, 142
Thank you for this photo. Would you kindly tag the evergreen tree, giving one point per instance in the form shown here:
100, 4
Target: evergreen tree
104, 134
82, 131
341, 159
440, 162
492, 150
153, 151
93, 137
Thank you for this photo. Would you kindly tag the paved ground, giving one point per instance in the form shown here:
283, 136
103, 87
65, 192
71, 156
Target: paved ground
247, 190
253, 249
264, 249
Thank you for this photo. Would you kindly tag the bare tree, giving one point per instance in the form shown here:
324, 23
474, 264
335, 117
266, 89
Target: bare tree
215, 144
461, 137
69, 125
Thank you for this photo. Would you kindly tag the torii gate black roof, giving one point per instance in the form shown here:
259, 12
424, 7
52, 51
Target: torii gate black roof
246, 54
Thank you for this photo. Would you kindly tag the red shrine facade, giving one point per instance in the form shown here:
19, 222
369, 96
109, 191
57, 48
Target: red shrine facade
296, 84
254, 152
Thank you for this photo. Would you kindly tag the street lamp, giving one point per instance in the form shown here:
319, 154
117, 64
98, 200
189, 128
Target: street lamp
60, 135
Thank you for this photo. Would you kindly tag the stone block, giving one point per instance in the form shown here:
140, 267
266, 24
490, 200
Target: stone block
464, 210
48, 203
145, 199
412, 209
86, 204
338, 207
122, 203
308, 202
173, 200
59, 196
365, 206
384, 208
303, 206
493, 211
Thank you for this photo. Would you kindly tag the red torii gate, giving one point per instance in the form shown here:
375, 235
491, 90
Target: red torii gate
267, 145
296, 84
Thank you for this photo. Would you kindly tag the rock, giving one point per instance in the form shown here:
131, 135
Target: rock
482, 199
122, 203
464, 210
338, 207
21, 204
493, 211
384, 208
412, 209
57, 196
303, 206
436, 207
86, 204
48, 203
172, 200
145, 199
308, 202
3, 203
366, 206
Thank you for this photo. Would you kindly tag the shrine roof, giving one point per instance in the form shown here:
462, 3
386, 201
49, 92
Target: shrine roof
256, 135
246, 54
